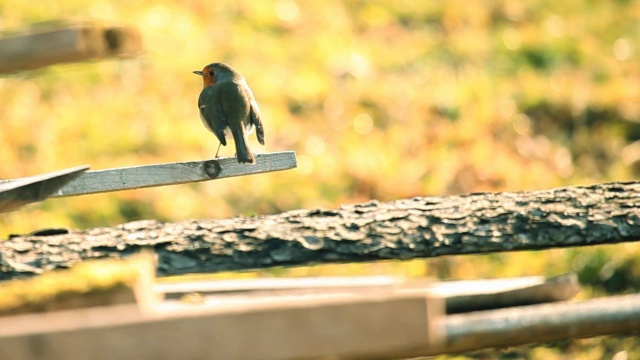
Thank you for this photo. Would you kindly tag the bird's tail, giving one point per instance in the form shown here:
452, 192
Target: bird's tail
243, 153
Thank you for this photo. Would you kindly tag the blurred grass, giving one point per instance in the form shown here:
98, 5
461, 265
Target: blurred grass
380, 100
92, 283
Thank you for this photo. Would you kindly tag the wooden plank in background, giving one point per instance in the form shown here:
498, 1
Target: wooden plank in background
476, 295
59, 43
330, 325
460, 296
323, 325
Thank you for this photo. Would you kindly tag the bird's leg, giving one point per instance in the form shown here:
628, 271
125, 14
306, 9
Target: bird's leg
217, 151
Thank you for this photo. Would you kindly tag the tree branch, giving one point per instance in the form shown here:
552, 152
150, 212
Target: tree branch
420, 227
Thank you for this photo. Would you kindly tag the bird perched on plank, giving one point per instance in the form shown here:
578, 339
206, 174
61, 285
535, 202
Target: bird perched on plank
227, 106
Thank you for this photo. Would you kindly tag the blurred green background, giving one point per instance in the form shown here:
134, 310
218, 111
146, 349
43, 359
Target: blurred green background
380, 100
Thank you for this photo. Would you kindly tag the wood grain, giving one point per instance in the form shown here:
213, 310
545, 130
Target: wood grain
136, 177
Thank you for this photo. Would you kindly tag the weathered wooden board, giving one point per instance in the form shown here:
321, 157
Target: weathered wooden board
460, 296
308, 327
58, 43
375, 325
136, 177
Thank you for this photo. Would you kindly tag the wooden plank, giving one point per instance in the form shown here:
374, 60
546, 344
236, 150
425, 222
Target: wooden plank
476, 295
14, 194
135, 177
320, 326
460, 296
323, 325
305, 326
59, 42
277, 284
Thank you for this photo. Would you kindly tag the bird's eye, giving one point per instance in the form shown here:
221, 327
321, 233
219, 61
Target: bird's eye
211, 73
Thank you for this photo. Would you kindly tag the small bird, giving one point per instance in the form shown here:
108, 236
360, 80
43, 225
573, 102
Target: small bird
227, 106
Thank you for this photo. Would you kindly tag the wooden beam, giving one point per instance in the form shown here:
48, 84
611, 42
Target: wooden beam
367, 326
460, 296
135, 177
63, 42
372, 325
252, 286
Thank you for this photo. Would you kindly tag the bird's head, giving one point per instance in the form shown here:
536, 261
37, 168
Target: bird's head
216, 72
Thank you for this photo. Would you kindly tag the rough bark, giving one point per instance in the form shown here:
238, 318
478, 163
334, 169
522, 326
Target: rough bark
420, 227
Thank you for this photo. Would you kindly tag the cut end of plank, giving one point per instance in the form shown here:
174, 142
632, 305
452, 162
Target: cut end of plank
19, 192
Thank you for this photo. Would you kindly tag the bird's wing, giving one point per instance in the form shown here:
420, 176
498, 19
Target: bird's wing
212, 113
254, 115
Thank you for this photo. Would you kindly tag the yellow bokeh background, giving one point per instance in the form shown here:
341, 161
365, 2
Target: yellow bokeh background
380, 100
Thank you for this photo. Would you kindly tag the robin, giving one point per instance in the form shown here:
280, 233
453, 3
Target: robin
227, 106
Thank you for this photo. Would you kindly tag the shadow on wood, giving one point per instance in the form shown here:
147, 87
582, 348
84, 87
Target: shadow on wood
16, 193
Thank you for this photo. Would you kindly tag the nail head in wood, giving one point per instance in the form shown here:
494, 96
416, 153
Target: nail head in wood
212, 168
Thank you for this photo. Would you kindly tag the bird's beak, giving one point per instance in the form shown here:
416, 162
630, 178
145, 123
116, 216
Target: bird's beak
198, 72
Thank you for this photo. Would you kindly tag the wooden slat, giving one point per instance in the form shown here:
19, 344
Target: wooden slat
460, 296
329, 325
58, 43
247, 286
136, 177
14, 194
324, 325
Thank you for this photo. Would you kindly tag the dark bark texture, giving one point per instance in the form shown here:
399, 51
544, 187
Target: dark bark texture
420, 227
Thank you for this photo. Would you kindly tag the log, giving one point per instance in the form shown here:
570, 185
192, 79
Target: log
419, 227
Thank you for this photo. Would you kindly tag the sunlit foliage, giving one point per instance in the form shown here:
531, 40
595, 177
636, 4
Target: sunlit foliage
380, 100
